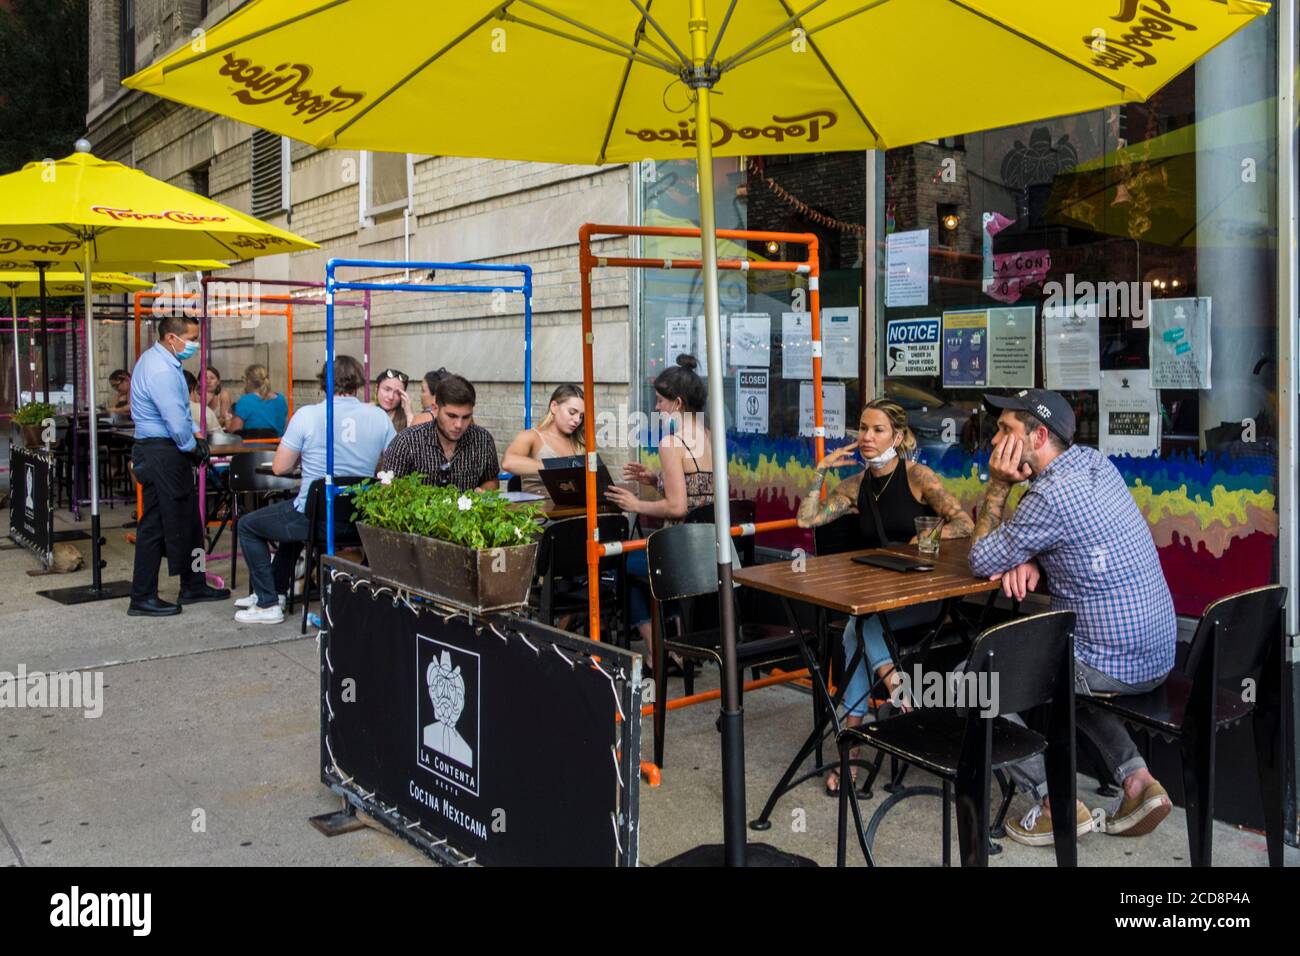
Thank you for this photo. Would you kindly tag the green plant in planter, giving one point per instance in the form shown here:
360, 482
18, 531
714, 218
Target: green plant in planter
33, 413
472, 519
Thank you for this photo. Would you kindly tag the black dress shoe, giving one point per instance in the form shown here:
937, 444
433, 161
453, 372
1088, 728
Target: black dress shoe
205, 593
152, 607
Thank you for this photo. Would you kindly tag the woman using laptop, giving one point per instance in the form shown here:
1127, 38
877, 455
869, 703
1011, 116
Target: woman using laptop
558, 436
887, 496
684, 481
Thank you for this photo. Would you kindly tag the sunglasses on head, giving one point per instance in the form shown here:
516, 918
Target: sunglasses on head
394, 373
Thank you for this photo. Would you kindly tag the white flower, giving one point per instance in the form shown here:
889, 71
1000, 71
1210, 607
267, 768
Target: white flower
464, 502
518, 533
385, 477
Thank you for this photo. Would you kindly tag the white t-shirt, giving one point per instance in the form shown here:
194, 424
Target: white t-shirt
361, 433
210, 418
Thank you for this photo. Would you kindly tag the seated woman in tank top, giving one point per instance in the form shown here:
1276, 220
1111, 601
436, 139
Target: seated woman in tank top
901, 492
558, 436
685, 479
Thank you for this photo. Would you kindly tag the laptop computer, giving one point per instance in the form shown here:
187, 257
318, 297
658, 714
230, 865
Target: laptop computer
568, 485
563, 461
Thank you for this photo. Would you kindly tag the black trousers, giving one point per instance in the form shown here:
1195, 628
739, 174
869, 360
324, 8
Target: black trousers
170, 523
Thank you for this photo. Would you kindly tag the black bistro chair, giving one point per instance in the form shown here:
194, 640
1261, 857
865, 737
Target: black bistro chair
1238, 640
246, 482
1034, 660
345, 533
562, 571
682, 561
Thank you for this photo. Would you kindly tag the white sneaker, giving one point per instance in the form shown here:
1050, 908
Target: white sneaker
260, 615
250, 600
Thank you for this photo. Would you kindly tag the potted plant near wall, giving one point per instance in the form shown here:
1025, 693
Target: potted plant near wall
471, 549
31, 418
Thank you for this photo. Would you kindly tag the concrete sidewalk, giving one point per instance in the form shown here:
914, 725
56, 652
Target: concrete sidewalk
203, 714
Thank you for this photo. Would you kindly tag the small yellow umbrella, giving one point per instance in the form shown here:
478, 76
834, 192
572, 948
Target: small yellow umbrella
58, 284
89, 211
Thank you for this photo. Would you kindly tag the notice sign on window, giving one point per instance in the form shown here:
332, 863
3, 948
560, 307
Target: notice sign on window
751, 400
1129, 414
1011, 347
832, 408
1180, 343
912, 347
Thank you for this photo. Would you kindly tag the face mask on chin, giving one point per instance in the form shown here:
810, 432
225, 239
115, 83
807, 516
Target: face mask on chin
883, 459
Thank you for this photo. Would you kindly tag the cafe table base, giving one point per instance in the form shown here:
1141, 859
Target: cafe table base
85, 593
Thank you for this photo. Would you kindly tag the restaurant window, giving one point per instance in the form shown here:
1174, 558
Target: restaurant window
1126, 258
386, 184
270, 174
767, 366
125, 38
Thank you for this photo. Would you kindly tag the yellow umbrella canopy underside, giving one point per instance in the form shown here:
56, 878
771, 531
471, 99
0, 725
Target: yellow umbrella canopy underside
595, 81
26, 284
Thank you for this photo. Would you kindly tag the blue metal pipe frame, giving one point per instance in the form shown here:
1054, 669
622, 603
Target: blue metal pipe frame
333, 284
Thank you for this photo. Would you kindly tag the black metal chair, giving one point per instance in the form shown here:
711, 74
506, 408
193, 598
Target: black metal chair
1237, 648
245, 480
1033, 658
345, 533
682, 561
562, 571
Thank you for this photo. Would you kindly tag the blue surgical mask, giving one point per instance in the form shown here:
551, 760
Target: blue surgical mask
191, 349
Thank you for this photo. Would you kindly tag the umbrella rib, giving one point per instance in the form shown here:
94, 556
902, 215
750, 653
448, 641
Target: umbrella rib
717, 39
627, 54
497, 12
618, 97
835, 76
780, 28
582, 26
744, 56
1042, 46
685, 60
250, 36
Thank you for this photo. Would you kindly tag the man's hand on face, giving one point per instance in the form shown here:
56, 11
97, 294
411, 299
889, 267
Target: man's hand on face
1005, 464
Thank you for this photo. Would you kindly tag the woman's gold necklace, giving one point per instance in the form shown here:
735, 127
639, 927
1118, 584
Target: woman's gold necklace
877, 495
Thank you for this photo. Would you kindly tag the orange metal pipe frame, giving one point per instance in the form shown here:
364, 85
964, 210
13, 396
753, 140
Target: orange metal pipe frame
587, 262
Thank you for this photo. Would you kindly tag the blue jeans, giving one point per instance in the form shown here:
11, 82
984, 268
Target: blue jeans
280, 522
876, 654
638, 588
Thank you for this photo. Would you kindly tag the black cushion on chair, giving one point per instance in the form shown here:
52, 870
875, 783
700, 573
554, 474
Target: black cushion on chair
931, 739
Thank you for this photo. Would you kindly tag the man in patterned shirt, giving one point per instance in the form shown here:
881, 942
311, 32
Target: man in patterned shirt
1078, 524
451, 449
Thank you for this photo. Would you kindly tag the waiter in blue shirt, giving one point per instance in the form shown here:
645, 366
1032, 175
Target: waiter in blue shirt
165, 455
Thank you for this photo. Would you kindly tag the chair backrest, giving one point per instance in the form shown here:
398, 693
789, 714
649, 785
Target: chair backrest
244, 475
563, 548
743, 511
344, 513
836, 537
258, 433
683, 563
1244, 626
1031, 657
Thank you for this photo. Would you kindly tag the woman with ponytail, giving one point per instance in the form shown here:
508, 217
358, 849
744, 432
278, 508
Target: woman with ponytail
260, 411
558, 436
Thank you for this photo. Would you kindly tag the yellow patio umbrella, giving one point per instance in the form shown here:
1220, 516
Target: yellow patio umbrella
599, 81
42, 284
86, 211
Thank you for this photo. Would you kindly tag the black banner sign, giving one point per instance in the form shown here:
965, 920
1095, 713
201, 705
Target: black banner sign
31, 506
500, 736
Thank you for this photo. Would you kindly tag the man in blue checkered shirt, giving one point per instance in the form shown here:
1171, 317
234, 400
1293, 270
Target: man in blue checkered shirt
1078, 524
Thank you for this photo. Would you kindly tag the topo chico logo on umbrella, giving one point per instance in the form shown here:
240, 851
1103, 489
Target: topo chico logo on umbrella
285, 83
60, 247
1132, 46
169, 215
257, 242
807, 126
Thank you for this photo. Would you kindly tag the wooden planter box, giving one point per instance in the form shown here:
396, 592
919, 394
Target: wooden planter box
460, 576
32, 436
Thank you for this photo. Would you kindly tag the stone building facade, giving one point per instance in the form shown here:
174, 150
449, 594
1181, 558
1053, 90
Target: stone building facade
375, 207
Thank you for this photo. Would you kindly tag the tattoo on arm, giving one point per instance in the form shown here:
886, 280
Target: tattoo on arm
995, 502
813, 512
957, 523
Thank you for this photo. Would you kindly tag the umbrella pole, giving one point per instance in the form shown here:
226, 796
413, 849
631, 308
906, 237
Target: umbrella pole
18, 369
45, 339
733, 717
96, 565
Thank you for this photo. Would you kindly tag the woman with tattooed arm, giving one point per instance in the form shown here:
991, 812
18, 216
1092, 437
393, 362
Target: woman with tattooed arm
898, 492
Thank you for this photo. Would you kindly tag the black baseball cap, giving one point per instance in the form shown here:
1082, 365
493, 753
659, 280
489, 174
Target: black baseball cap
1048, 407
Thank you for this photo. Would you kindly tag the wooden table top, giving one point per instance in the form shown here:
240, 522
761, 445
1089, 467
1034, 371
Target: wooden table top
242, 448
835, 582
